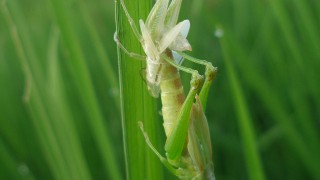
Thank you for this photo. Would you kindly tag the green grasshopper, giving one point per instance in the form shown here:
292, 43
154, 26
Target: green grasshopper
188, 144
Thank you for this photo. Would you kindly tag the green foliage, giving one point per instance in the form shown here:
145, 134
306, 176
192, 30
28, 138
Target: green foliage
60, 109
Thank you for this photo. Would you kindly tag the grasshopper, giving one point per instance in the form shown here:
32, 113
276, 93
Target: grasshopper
188, 144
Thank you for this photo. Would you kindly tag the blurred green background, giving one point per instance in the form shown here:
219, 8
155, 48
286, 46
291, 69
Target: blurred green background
59, 93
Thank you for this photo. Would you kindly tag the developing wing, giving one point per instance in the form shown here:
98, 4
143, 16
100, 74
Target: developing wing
156, 18
171, 36
173, 13
181, 43
148, 45
183, 34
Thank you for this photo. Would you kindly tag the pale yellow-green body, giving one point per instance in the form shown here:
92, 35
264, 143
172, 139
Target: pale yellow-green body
172, 98
172, 95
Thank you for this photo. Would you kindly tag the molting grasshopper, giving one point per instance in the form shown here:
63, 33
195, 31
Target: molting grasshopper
188, 144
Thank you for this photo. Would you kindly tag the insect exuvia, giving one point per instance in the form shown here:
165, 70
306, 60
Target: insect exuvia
188, 144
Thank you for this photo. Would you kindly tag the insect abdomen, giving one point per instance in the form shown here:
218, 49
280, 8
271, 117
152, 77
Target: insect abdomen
172, 95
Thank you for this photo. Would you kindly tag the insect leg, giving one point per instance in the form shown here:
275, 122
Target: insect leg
131, 54
199, 143
177, 138
131, 22
164, 161
210, 74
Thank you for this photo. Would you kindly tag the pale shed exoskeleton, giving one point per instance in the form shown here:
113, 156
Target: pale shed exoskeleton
188, 144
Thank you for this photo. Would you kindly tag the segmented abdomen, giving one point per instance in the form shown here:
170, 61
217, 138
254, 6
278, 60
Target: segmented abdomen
172, 95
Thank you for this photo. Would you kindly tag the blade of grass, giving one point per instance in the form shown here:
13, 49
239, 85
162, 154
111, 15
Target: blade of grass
62, 130
103, 58
276, 62
272, 101
308, 26
136, 103
28, 44
286, 26
59, 108
250, 147
36, 106
81, 76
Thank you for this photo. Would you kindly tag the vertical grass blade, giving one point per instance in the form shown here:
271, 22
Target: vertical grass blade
36, 106
82, 78
279, 113
136, 103
63, 121
250, 149
103, 57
